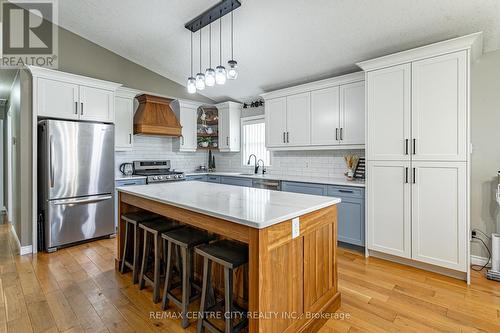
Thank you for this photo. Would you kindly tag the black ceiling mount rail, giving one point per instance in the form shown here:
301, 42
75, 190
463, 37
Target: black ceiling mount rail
213, 14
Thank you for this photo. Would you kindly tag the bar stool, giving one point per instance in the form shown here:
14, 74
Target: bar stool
153, 229
131, 220
230, 255
186, 239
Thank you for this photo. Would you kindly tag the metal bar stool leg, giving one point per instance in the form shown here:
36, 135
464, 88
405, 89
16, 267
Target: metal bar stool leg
137, 254
186, 285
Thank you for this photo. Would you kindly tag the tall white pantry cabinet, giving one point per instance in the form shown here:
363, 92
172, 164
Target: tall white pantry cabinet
418, 155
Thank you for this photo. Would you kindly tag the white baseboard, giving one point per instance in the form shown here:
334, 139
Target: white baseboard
28, 249
478, 261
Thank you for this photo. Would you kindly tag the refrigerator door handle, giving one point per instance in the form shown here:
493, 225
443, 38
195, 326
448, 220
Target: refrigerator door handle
79, 201
51, 164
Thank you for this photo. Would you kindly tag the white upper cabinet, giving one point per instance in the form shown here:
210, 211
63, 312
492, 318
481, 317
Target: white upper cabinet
439, 108
229, 126
298, 119
57, 99
439, 214
388, 208
67, 96
186, 112
325, 116
352, 115
96, 104
125, 106
388, 109
276, 122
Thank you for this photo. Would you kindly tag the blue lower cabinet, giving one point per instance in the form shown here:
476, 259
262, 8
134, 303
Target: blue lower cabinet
200, 178
125, 182
213, 179
246, 182
304, 188
351, 213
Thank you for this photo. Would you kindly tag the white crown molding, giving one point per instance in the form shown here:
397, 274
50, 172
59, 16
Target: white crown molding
40, 72
316, 85
125, 92
472, 42
228, 105
185, 103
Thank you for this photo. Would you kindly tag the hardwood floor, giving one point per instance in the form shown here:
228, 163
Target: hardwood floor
78, 290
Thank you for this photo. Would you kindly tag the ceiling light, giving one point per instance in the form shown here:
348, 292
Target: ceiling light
232, 71
220, 71
191, 82
210, 73
200, 77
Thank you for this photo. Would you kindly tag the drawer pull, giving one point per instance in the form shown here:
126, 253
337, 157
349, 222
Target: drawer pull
346, 191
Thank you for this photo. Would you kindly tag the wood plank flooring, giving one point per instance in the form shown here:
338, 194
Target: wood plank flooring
78, 290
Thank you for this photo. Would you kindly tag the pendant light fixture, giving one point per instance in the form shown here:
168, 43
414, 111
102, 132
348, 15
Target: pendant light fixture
191, 82
211, 77
210, 73
220, 71
200, 77
232, 71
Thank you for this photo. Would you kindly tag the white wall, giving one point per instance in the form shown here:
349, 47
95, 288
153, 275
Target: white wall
485, 127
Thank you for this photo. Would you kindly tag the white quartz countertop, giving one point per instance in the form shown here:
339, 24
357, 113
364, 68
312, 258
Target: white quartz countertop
257, 208
341, 181
123, 177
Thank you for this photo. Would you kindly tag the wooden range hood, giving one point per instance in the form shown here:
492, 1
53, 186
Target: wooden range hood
155, 117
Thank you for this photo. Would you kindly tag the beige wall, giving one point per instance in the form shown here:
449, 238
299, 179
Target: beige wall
80, 56
485, 128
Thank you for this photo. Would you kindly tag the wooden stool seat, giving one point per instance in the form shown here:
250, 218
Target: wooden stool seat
186, 239
154, 229
131, 221
226, 253
230, 255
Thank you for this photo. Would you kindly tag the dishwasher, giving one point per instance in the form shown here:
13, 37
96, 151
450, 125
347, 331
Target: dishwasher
267, 184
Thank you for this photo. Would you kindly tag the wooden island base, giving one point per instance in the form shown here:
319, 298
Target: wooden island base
292, 281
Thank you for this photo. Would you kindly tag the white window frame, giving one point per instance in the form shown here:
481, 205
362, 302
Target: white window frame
250, 120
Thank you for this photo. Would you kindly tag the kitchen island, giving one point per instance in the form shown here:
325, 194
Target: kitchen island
292, 241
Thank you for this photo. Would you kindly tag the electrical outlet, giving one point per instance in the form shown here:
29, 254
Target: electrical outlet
295, 227
474, 233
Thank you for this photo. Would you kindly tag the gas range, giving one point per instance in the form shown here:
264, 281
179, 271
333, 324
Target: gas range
157, 171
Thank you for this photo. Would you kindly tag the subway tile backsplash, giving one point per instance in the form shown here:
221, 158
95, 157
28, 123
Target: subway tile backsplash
321, 163
160, 148
327, 163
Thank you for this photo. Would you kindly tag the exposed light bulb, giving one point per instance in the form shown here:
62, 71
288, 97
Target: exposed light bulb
210, 77
232, 71
220, 75
191, 85
200, 81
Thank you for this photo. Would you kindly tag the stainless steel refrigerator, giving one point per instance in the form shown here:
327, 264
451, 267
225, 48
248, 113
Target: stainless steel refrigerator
75, 181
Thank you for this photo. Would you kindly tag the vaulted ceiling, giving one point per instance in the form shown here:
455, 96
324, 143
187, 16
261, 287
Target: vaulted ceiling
278, 43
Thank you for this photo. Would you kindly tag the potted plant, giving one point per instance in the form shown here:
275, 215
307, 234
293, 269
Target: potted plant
204, 141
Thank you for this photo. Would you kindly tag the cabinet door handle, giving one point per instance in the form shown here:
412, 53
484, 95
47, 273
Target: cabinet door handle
336, 134
284, 137
341, 134
406, 146
81, 109
414, 176
130, 138
414, 146
287, 137
182, 138
76, 107
227, 141
406, 175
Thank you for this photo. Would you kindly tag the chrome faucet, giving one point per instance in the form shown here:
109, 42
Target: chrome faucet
263, 166
256, 170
